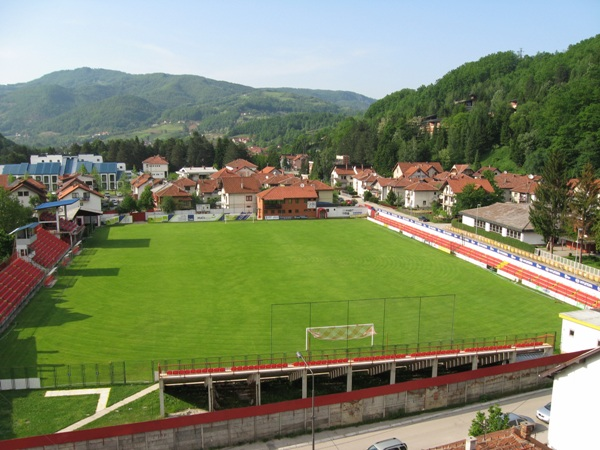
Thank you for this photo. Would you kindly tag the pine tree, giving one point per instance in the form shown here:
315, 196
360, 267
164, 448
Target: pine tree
548, 211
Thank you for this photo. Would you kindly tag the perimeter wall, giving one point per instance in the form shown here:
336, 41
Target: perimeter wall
237, 426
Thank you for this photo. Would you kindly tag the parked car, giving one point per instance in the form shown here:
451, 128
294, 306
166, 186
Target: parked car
389, 444
544, 413
423, 219
516, 420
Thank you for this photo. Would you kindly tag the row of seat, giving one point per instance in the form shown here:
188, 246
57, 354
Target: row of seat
48, 248
327, 362
506, 266
17, 281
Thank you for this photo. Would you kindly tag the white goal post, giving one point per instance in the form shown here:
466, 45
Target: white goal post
341, 332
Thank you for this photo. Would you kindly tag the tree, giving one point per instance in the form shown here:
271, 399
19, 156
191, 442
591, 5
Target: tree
168, 205
12, 213
547, 212
6, 245
391, 198
128, 204
495, 421
146, 202
473, 196
584, 202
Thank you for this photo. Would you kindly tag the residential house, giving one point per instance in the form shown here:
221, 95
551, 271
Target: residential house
242, 167
324, 191
580, 330
238, 194
299, 201
27, 189
156, 166
139, 183
365, 180
207, 189
183, 198
479, 173
395, 185
341, 176
420, 194
461, 169
90, 202
506, 219
271, 171
186, 184
196, 173
401, 169
293, 162
524, 192
574, 394
455, 185
268, 181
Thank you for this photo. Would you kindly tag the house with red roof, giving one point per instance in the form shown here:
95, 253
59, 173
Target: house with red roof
293, 162
420, 194
365, 180
25, 189
401, 169
461, 169
342, 176
90, 201
207, 189
324, 191
238, 194
281, 202
242, 167
156, 166
139, 183
395, 185
186, 184
183, 198
455, 185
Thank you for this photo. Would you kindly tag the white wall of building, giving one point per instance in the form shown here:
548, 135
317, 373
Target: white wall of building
574, 424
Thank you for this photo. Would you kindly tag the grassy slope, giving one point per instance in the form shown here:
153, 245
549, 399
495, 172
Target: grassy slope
137, 294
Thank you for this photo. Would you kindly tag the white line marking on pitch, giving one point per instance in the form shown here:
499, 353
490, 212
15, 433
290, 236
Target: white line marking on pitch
102, 401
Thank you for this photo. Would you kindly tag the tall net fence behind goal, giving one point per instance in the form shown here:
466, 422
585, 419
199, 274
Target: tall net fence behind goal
341, 333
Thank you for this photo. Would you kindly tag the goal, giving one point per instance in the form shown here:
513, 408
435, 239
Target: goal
341, 332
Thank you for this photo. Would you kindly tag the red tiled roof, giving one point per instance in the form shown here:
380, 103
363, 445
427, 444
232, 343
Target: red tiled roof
224, 172
510, 439
140, 180
318, 185
285, 192
239, 163
156, 159
207, 186
421, 186
458, 184
172, 191
183, 182
241, 185
73, 187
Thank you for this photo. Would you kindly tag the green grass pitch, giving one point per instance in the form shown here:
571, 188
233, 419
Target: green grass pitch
195, 290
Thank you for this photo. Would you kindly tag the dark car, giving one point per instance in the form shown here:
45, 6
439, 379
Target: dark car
423, 219
389, 444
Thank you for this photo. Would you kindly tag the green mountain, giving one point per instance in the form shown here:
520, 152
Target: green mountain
506, 110
80, 104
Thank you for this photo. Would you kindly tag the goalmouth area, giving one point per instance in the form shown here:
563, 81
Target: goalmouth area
142, 295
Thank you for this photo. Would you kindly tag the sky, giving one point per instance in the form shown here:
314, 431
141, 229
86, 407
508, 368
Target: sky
371, 47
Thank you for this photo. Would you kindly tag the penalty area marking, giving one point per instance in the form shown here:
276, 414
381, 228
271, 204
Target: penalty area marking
102, 392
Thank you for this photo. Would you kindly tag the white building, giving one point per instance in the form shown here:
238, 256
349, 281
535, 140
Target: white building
506, 219
580, 330
156, 166
573, 424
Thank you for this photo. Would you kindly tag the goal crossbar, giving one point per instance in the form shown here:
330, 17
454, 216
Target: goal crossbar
341, 332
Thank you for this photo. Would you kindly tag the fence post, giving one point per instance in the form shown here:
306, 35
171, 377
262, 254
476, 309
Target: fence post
124, 374
111, 372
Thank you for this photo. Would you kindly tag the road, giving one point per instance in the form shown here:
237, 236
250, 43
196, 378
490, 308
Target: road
419, 432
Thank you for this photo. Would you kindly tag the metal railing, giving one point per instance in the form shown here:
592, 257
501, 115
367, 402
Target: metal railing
569, 265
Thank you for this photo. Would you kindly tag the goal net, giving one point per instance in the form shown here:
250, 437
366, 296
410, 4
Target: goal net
341, 332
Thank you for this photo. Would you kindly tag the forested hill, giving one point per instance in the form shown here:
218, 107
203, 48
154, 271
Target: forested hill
506, 110
78, 105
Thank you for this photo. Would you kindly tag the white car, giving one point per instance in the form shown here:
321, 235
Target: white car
544, 413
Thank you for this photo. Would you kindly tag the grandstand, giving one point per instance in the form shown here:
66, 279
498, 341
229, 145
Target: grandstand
18, 281
37, 254
564, 289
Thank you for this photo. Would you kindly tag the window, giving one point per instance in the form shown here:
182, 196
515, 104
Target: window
495, 228
248, 198
75, 195
513, 234
571, 332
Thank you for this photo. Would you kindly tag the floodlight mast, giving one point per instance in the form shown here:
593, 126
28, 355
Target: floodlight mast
312, 419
